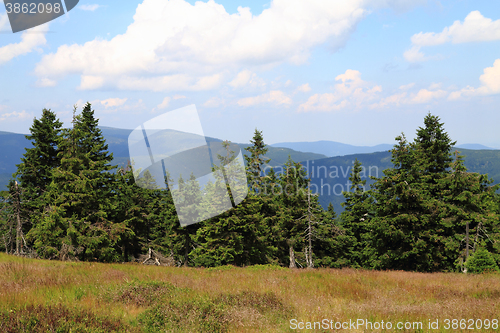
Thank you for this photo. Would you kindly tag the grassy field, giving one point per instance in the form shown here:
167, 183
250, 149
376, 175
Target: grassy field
52, 296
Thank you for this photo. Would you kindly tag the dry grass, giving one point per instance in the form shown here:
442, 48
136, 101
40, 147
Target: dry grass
133, 298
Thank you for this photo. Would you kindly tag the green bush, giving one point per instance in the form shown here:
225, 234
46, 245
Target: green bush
480, 262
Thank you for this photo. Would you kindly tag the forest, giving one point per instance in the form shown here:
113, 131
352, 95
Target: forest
426, 213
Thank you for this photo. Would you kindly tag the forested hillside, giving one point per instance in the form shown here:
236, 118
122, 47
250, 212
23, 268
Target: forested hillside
425, 212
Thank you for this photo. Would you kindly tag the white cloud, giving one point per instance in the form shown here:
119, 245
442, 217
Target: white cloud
395, 99
44, 82
164, 104
474, 28
247, 78
4, 22
214, 102
89, 82
303, 88
203, 41
425, 96
276, 97
15, 116
407, 86
353, 92
490, 84
178, 96
113, 102
29, 42
89, 7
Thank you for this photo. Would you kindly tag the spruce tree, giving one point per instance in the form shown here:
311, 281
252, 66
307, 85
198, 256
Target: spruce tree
358, 211
80, 196
410, 231
235, 236
255, 162
35, 170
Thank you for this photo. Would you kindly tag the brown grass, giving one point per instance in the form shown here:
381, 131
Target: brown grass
134, 298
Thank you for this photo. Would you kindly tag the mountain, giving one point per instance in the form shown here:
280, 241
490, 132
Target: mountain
12, 149
332, 148
475, 146
329, 176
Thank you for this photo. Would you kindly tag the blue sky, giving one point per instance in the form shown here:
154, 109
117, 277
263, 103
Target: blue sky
358, 72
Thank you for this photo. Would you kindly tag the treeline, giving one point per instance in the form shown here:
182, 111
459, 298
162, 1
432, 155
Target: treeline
427, 213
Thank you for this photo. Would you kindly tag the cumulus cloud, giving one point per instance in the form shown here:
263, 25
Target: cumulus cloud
44, 82
214, 102
178, 96
303, 88
113, 102
15, 116
425, 95
407, 86
164, 104
275, 97
474, 28
490, 84
29, 42
90, 8
4, 22
247, 78
204, 42
352, 92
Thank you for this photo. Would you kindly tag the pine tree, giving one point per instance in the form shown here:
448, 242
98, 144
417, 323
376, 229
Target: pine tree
255, 162
35, 170
290, 222
80, 196
235, 236
358, 211
470, 209
410, 232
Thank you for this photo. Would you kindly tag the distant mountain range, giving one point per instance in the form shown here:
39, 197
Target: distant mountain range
12, 148
329, 163
332, 148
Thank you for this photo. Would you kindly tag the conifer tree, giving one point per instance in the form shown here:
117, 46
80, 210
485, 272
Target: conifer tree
235, 236
358, 211
290, 222
409, 230
80, 196
469, 207
35, 170
255, 162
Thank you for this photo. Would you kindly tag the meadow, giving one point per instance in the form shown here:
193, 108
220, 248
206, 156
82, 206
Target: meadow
54, 296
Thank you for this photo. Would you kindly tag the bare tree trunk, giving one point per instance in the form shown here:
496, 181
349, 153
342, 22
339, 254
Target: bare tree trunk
309, 253
19, 243
292, 257
467, 240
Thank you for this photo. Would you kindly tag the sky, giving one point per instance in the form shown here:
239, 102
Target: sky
358, 72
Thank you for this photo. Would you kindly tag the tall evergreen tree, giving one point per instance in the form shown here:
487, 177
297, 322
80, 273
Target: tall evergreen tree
35, 170
80, 196
358, 211
255, 162
470, 208
235, 236
409, 230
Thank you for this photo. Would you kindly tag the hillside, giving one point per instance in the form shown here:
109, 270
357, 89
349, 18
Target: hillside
332, 148
42, 296
12, 148
338, 170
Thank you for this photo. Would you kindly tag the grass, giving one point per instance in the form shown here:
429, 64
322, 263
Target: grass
52, 296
